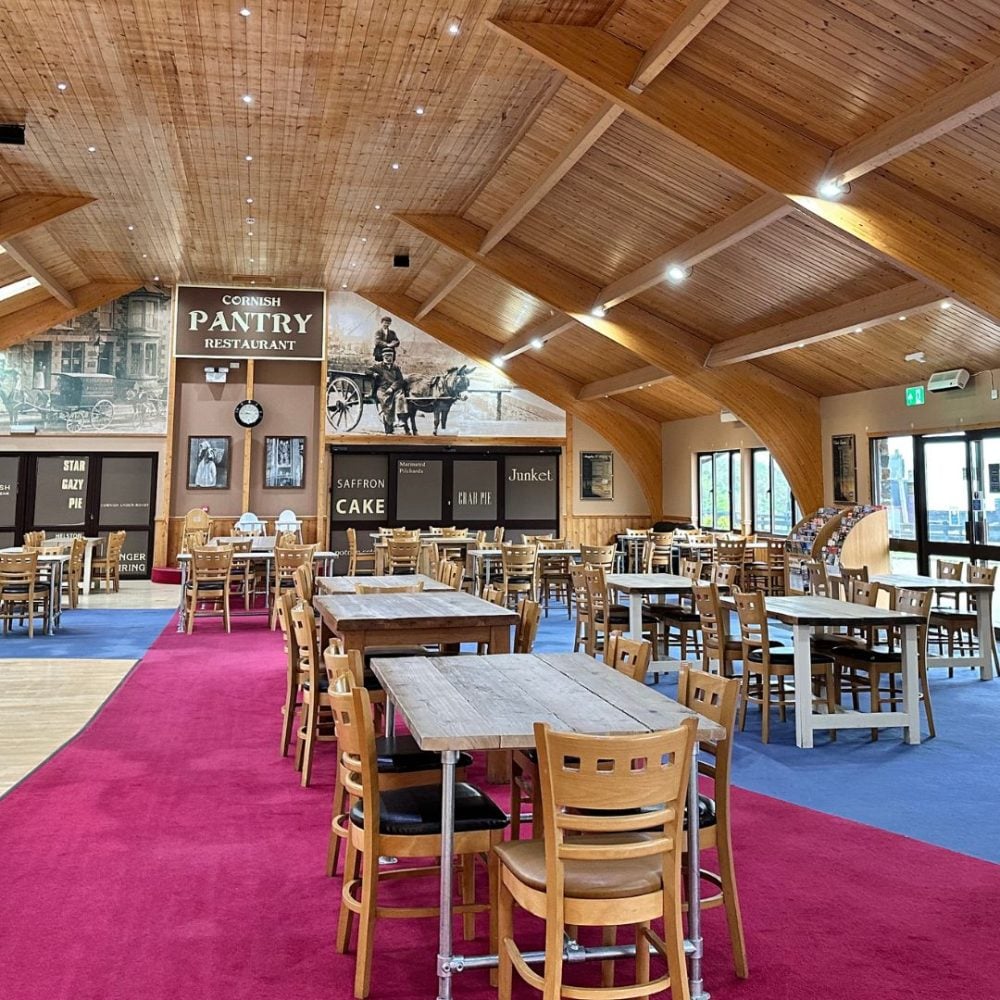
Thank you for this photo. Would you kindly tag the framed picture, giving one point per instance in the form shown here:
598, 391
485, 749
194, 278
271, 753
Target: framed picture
208, 463
597, 475
845, 469
284, 463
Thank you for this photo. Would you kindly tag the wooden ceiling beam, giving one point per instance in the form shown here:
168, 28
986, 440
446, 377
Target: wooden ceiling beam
633, 435
22, 212
969, 98
556, 324
31, 264
446, 288
725, 233
915, 232
32, 320
854, 317
785, 417
639, 378
695, 17
592, 130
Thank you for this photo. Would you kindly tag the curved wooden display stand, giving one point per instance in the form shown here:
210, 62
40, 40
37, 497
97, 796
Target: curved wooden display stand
864, 543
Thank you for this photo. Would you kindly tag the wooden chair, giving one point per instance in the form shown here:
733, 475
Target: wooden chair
34, 539
192, 539
581, 604
293, 675
734, 552
358, 559
285, 539
315, 692
494, 594
681, 623
286, 561
244, 576
197, 519
402, 555
304, 582
22, 594
953, 629
73, 577
724, 576
402, 823
107, 568
768, 575
598, 555
763, 662
868, 665
519, 564
847, 578
208, 583
662, 557
529, 614
716, 699
628, 656
603, 614
498, 533
404, 588
570, 877
553, 575
717, 646
450, 573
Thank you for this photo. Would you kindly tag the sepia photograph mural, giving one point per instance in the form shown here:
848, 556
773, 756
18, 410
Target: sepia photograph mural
104, 372
386, 377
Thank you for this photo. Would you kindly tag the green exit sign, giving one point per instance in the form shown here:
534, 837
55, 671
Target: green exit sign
915, 395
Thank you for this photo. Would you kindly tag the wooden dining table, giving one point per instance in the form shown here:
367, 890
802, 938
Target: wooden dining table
640, 585
489, 557
491, 703
54, 565
349, 584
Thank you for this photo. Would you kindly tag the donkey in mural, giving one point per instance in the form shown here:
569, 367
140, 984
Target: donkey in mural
436, 394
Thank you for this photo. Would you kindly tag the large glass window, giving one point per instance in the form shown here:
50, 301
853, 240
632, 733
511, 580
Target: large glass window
774, 509
719, 494
892, 483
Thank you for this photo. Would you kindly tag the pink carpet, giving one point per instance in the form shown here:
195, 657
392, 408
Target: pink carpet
169, 853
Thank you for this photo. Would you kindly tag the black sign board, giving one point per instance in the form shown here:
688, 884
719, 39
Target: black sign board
61, 491
125, 490
474, 491
9, 466
531, 485
418, 489
360, 488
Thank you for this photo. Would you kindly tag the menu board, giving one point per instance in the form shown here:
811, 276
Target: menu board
135, 554
61, 491
418, 489
474, 491
360, 490
531, 487
9, 466
126, 488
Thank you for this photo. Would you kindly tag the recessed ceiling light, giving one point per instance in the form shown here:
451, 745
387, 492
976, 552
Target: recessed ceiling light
130, 228
946, 304
251, 260
145, 255
245, 11
454, 26
247, 98
499, 360
250, 220
156, 277
377, 207
364, 239
248, 158
354, 265
418, 110
344, 285
901, 318
395, 166
252, 282
249, 201
598, 311
677, 273
62, 86
249, 234
830, 189
91, 149
537, 343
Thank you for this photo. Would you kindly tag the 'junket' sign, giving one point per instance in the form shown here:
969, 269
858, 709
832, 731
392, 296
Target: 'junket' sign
283, 323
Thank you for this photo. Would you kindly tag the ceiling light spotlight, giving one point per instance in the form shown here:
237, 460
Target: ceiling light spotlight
130, 228
677, 273
831, 189
249, 234
418, 110
251, 260
248, 158
91, 149
250, 220
156, 277
946, 304
145, 255
378, 207
62, 86
364, 239
901, 318
859, 329
499, 360
537, 343
917, 356
247, 98
249, 201
244, 12
455, 26
395, 166
343, 284
598, 311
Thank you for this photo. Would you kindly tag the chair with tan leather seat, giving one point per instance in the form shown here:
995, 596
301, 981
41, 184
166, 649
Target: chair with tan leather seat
21, 594
208, 583
952, 628
519, 564
599, 869
73, 577
717, 645
107, 568
402, 555
286, 561
402, 823
315, 717
598, 555
358, 560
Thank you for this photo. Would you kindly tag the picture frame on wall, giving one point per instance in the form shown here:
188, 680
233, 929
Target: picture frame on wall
284, 463
209, 462
597, 475
845, 469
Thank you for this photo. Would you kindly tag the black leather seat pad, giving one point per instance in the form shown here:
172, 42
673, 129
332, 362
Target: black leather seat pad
400, 754
415, 812
785, 655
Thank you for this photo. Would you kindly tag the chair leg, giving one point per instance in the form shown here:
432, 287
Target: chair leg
345, 920
609, 936
641, 956
731, 901
225, 609
311, 721
925, 690
554, 931
366, 929
781, 698
673, 940
504, 933
469, 895
744, 696
765, 693
875, 697
333, 850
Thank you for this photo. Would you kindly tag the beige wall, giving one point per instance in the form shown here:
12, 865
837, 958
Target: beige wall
628, 496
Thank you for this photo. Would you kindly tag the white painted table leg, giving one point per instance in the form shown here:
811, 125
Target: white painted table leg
180, 606
911, 685
88, 565
635, 616
803, 686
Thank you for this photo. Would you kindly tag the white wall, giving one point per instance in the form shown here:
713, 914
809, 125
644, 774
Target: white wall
628, 498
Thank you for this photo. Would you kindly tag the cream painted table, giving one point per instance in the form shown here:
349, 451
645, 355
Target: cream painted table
640, 585
454, 703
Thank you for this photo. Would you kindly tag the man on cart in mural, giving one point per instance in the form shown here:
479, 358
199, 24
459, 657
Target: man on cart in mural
385, 337
390, 389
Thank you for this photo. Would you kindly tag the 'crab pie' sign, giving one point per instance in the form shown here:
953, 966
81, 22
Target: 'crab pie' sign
279, 323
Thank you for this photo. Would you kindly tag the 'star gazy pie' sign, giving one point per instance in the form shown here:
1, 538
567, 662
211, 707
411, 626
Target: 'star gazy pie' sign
284, 323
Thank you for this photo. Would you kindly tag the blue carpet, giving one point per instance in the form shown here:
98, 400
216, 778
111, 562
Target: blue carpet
943, 792
105, 634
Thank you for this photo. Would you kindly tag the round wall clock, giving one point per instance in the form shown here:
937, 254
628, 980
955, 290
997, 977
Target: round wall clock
249, 413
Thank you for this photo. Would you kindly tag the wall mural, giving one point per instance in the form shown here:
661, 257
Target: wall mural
104, 372
385, 376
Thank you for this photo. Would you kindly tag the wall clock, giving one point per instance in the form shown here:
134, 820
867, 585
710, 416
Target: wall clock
249, 413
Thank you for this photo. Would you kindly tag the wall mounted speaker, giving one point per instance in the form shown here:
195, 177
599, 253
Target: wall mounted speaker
400, 260
11, 134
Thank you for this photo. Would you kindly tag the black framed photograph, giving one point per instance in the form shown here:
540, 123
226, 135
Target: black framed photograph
284, 463
845, 469
208, 462
597, 475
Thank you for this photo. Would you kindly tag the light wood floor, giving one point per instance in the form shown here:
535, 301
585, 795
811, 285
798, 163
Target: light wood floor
74, 690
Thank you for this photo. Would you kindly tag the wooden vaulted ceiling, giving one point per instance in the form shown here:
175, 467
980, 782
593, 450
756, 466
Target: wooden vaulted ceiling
563, 147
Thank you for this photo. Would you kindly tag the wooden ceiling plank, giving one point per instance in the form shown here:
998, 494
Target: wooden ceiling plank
598, 123
907, 227
23, 212
969, 98
525, 340
445, 288
695, 17
635, 436
853, 317
31, 264
725, 233
637, 379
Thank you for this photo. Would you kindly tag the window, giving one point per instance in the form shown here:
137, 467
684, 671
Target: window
105, 357
892, 483
72, 356
774, 508
142, 359
719, 493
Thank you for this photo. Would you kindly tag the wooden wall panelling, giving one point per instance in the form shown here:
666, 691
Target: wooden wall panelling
785, 417
602, 529
224, 526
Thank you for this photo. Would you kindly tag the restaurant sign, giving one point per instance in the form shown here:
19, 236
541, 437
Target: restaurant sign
279, 323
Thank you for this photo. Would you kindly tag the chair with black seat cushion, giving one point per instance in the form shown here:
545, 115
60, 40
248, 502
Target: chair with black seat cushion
717, 646
681, 623
286, 561
402, 823
22, 595
107, 567
603, 614
315, 721
764, 663
596, 868
716, 698
208, 584
952, 628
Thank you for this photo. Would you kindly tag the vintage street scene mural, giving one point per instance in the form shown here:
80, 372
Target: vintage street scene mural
104, 372
387, 377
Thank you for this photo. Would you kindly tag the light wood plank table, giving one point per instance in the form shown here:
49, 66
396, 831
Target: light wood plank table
987, 655
427, 542
806, 613
349, 584
491, 703
640, 585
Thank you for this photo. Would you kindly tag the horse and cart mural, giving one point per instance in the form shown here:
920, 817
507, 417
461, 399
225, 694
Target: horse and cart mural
385, 377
